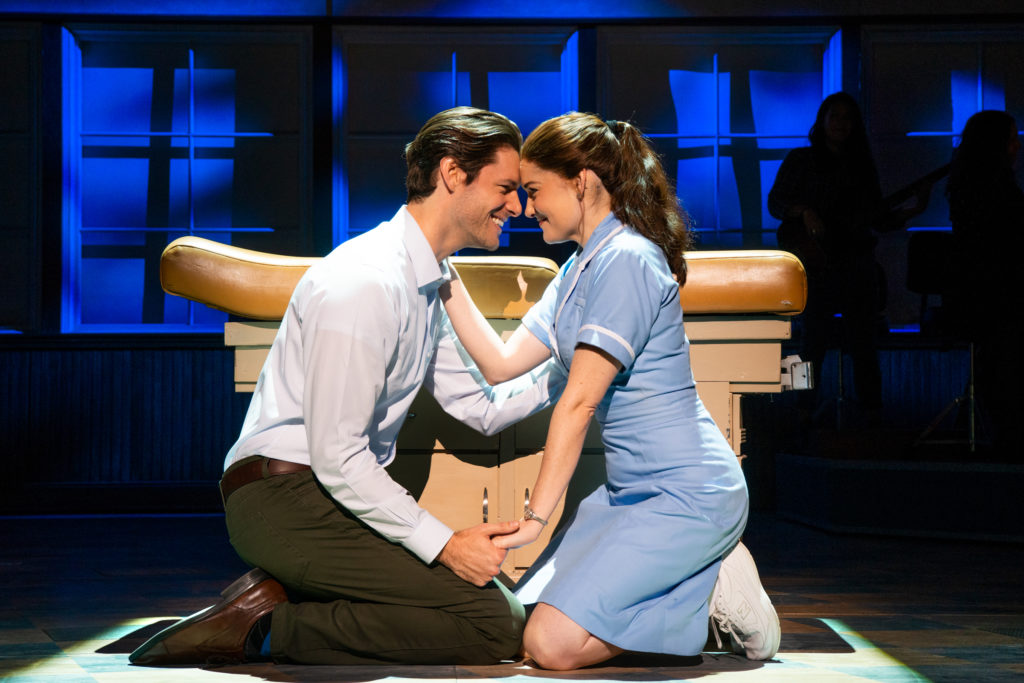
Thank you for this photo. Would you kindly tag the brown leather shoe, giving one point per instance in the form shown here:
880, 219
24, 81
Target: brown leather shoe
215, 635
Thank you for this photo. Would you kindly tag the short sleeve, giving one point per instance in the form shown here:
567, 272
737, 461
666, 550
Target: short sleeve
621, 305
539, 319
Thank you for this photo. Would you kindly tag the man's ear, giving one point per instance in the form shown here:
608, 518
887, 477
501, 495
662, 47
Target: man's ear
450, 174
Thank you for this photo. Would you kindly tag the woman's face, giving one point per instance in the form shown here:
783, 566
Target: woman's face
554, 202
838, 123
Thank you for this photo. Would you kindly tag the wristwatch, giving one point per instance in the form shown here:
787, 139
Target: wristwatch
530, 514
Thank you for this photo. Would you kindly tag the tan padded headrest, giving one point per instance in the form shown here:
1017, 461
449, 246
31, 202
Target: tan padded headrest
733, 282
251, 284
257, 285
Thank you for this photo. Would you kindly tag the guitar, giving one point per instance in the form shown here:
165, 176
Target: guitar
792, 234
904, 193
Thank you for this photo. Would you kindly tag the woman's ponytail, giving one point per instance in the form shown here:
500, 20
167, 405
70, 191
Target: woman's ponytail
643, 197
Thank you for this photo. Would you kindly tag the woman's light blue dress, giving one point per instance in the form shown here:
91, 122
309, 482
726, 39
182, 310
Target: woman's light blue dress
637, 562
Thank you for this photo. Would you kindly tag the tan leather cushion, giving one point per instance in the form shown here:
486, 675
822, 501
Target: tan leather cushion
252, 284
257, 285
735, 282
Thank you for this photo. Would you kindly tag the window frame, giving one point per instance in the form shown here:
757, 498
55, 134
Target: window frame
182, 35
828, 36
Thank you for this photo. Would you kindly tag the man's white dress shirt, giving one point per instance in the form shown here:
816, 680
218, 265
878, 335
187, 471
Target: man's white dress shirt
363, 331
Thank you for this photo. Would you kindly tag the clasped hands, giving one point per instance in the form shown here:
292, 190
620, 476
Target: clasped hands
475, 554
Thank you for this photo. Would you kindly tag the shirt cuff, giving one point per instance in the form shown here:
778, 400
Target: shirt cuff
428, 538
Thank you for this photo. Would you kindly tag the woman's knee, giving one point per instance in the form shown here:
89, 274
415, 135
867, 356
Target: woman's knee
545, 652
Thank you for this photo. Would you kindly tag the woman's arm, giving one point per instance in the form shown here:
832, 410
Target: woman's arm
590, 375
498, 361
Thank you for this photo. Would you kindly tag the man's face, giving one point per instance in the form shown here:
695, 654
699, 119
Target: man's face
483, 206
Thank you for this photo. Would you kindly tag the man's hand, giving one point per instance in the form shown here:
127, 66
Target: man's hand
472, 555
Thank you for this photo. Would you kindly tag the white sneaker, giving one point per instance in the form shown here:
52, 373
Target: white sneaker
740, 607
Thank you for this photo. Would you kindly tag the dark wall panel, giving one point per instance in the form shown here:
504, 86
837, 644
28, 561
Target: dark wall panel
94, 429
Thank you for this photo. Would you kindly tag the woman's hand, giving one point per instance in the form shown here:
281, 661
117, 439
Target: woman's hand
529, 531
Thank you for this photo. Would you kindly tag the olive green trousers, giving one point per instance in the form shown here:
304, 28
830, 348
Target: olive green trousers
355, 597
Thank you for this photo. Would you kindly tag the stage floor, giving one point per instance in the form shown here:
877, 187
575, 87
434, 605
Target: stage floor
79, 593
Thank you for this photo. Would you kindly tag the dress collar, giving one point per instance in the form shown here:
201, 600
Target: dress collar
597, 238
604, 231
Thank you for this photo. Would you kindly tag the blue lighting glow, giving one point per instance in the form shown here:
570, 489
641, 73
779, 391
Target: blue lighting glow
526, 97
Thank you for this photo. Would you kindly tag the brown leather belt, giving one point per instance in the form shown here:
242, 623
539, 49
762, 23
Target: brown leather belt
254, 468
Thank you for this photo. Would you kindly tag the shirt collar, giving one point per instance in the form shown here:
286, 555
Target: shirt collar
429, 273
597, 238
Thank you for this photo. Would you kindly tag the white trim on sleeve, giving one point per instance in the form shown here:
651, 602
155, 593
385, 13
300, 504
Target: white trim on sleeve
616, 337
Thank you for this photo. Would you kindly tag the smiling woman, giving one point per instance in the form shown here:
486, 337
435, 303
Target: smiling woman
675, 501
557, 203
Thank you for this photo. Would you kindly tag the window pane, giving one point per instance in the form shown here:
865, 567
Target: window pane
215, 101
213, 184
399, 93
376, 181
528, 98
784, 102
265, 191
694, 101
249, 88
694, 164
134, 87
115, 192
112, 274
939, 73
660, 104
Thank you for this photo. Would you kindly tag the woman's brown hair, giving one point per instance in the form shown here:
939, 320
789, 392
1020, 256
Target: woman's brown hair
624, 160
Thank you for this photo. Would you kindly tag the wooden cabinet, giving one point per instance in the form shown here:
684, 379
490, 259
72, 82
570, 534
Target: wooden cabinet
465, 478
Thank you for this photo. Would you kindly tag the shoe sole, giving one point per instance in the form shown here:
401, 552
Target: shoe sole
755, 595
242, 584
